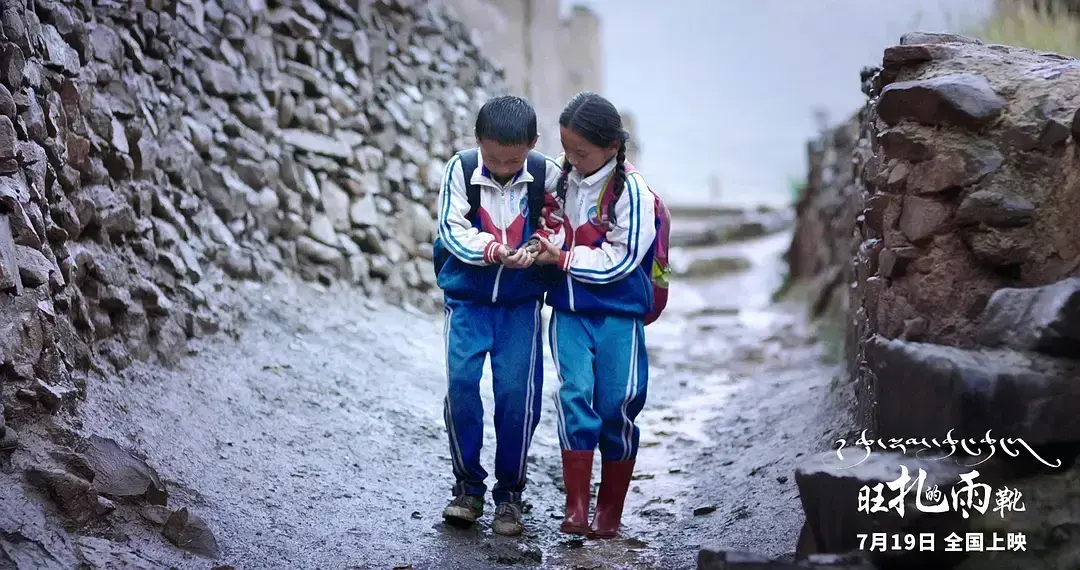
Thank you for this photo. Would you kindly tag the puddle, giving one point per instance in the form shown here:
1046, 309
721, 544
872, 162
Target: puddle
694, 411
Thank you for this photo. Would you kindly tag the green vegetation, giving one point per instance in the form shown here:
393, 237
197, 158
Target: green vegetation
796, 186
1041, 25
833, 334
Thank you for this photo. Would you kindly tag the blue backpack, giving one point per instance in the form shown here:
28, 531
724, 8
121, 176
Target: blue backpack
470, 160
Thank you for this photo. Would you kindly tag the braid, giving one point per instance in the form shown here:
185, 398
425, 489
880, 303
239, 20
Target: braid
618, 180
560, 190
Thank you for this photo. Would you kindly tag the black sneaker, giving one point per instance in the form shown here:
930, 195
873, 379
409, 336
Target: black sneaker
464, 509
508, 520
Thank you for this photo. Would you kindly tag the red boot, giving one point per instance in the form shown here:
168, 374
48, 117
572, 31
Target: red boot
614, 481
577, 473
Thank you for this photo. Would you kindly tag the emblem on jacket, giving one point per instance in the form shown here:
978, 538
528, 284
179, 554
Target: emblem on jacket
594, 216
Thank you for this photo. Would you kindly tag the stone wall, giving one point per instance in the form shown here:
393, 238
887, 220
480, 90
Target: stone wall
546, 58
971, 185
954, 219
819, 255
150, 150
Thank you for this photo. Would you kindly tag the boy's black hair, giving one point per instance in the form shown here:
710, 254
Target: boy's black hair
507, 120
599, 122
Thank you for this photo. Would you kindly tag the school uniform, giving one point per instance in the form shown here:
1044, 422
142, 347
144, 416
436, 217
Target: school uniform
600, 302
490, 310
597, 338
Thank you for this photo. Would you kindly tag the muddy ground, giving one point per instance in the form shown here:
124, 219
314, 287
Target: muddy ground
315, 438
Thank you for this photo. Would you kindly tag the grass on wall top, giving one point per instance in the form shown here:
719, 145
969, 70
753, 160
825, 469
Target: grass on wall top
1032, 25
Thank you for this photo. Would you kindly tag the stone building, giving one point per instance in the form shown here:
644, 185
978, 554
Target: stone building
547, 58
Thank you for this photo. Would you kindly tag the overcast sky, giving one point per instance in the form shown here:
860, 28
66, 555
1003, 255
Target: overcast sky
729, 86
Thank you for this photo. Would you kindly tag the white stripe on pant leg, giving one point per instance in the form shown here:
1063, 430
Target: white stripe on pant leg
631, 393
530, 392
455, 446
553, 334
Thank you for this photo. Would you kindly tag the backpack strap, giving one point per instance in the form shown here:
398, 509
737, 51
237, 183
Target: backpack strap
537, 167
470, 160
609, 186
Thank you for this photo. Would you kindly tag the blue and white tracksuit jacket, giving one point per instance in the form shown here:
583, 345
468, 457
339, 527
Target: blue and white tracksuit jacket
490, 309
597, 330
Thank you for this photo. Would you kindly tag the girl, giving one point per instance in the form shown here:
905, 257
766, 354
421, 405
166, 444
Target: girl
600, 301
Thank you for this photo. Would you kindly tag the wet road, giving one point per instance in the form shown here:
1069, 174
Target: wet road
315, 440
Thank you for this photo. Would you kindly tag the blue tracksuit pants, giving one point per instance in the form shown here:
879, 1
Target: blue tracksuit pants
512, 336
604, 375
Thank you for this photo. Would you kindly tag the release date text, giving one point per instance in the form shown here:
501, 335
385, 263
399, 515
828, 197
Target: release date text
927, 542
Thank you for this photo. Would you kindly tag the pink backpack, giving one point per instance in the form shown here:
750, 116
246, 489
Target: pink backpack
661, 268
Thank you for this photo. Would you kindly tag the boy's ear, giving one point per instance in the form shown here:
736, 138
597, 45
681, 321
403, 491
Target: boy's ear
532, 145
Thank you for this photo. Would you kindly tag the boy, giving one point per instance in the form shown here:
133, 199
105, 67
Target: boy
489, 206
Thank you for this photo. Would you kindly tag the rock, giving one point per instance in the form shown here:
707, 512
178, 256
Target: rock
238, 263
226, 192
99, 205
14, 65
108, 47
9, 439
893, 262
962, 100
1001, 247
296, 25
322, 229
201, 135
995, 208
317, 143
336, 203
1043, 319
219, 79
922, 217
34, 268
954, 170
364, 212
319, 252
58, 53
118, 473
54, 396
8, 139
1041, 122
1023, 395
103, 553
905, 55
704, 510
7, 103
190, 532
10, 279
156, 514
907, 142
916, 38
837, 490
417, 224
153, 299
72, 494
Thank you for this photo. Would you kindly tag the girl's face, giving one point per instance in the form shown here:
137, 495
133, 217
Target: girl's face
585, 156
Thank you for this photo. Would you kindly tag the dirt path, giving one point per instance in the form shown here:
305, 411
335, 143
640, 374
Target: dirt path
315, 440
